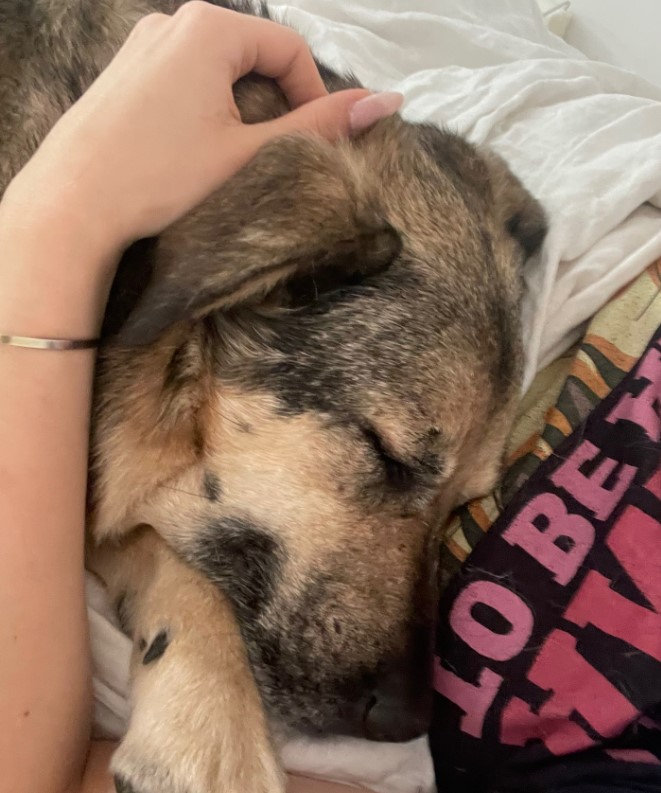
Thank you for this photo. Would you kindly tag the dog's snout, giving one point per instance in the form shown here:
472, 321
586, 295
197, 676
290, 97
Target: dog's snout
399, 708
389, 721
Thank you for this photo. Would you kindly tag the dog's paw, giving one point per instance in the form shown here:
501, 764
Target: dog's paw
136, 775
192, 730
147, 767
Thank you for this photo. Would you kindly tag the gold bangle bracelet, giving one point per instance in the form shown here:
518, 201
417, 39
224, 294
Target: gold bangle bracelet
48, 344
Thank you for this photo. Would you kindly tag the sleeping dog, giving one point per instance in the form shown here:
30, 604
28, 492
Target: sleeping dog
298, 380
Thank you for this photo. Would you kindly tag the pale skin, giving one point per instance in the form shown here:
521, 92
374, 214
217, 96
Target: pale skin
154, 135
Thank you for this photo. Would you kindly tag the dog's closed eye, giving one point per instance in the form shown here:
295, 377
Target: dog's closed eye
412, 479
399, 475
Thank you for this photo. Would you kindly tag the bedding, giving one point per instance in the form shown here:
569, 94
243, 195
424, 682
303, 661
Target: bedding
586, 140
557, 15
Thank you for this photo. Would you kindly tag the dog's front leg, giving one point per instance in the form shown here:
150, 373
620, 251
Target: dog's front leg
197, 722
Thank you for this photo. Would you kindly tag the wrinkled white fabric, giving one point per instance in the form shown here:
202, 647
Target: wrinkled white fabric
583, 136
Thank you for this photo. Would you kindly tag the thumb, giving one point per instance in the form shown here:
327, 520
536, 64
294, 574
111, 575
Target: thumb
337, 115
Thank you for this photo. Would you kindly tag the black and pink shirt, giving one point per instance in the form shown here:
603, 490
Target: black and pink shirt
548, 673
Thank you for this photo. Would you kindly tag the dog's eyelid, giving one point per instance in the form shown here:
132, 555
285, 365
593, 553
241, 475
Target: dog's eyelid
421, 458
400, 474
378, 442
430, 464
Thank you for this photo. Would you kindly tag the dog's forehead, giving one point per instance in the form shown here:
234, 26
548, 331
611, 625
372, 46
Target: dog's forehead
435, 189
434, 335
391, 355
434, 164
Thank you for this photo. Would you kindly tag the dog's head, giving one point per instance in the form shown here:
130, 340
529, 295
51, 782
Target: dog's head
325, 360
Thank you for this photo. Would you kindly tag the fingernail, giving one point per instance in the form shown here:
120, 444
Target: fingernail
374, 107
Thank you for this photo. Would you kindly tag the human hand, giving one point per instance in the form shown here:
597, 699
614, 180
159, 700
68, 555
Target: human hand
159, 130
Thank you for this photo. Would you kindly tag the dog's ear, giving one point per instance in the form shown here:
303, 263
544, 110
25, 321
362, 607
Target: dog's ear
297, 209
521, 214
485, 177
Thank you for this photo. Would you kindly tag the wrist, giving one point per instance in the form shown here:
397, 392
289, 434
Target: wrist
66, 210
55, 271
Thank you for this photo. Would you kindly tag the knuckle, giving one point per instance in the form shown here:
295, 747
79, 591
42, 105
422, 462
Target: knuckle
296, 38
194, 12
149, 22
296, 42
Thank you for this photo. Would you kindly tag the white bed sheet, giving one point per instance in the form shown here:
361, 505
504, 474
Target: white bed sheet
584, 137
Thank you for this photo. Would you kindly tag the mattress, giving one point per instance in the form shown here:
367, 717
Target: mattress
583, 136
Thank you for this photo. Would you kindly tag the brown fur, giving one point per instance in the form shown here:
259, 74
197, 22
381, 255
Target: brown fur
300, 378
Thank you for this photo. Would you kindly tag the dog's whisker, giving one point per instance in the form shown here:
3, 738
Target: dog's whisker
185, 492
234, 422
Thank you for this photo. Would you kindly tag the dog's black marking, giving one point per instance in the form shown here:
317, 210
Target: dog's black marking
123, 609
243, 560
528, 230
311, 698
307, 375
211, 486
123, 785
156, 649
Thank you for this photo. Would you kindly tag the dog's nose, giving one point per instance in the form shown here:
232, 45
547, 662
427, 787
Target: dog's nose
399, 708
